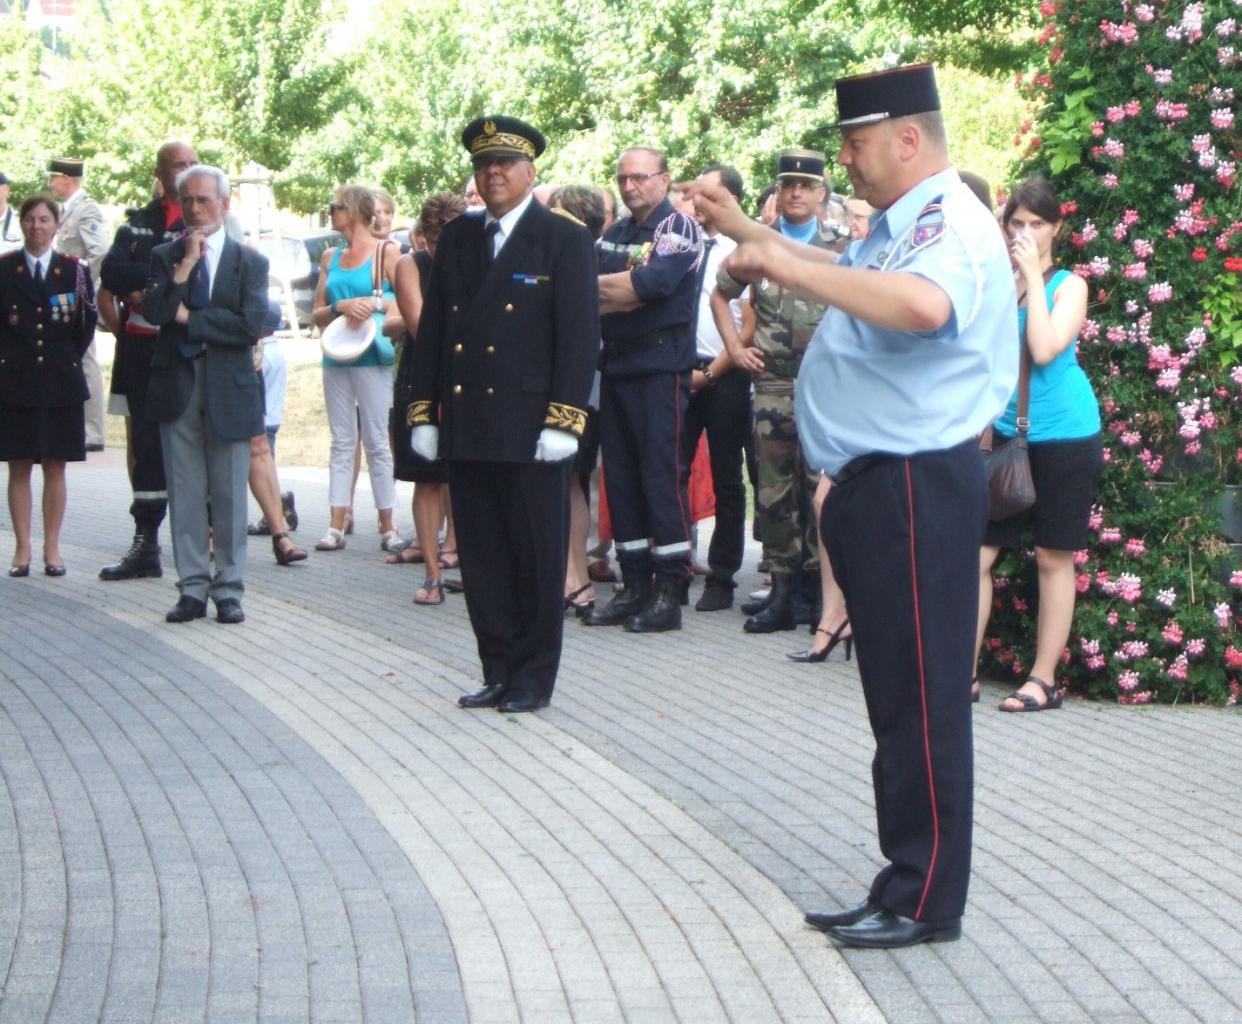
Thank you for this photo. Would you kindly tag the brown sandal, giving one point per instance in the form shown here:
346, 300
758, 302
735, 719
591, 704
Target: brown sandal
411, 554
1052, 699
284, 556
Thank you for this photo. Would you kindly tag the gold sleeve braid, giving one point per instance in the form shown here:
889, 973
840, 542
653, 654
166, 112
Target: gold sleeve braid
566, 417
418, 414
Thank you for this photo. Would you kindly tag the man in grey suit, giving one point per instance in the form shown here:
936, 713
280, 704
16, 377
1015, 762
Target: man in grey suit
208, 296
82, 234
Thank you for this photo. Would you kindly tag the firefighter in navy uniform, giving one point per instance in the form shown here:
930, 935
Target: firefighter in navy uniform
125, 270
648, 294
502, 364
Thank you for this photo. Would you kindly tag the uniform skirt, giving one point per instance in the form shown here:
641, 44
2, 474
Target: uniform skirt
58, 435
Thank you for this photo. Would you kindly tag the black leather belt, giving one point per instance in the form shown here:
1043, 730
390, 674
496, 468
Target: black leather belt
858, 466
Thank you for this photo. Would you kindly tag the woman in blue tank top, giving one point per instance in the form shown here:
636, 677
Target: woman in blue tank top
1065, 448
357, 394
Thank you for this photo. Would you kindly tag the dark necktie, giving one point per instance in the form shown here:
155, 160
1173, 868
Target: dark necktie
200, 284
38, 274
199, 297
489, 243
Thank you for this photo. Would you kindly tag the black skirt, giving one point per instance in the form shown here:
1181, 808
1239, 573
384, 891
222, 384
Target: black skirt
58, 435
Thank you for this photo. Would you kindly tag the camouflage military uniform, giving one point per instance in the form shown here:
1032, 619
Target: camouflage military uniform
785, 324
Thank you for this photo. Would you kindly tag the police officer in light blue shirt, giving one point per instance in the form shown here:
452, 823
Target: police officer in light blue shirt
917, 354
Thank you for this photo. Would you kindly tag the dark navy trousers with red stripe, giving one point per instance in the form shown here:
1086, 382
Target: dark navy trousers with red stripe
903, 538
642, 423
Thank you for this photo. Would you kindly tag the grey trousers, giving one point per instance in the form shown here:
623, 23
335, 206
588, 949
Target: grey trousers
201, 467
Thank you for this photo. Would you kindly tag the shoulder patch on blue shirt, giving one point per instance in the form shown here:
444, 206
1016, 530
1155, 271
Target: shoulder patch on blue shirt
929, 224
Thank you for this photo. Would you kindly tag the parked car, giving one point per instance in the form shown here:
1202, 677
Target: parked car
294, 263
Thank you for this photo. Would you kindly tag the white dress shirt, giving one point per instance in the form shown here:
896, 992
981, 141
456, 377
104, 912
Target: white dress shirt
708, 342
506, 223
44, 262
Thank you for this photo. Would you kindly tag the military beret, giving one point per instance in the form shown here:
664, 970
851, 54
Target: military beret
67, 166
897, 92
502, 136
800, 163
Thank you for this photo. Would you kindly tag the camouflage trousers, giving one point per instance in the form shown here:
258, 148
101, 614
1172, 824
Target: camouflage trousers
783, 509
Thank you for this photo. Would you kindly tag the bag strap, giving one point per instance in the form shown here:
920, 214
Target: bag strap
1023, 421
377, 268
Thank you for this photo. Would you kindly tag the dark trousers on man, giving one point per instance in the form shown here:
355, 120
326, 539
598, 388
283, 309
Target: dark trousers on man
724, 411
512, 522
903, 536
150, 490
642, 423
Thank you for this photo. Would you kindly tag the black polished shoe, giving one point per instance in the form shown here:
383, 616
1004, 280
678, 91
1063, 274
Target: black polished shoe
842, 917
623, 605
662, 613
886, 930
488, 697
18, 572
54, 570
229, 611
779, 614
717, 596
520, 705
186, 609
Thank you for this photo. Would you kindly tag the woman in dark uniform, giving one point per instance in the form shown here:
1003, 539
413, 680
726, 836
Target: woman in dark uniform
47, 321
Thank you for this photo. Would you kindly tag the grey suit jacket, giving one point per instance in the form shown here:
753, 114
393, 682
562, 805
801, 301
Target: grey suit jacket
228, 328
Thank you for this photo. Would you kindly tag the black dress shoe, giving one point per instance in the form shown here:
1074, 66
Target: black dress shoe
518, 705
229, 611
886, 930
717, 596
17, 572
842, 917
54, 570
186, 609
488, 697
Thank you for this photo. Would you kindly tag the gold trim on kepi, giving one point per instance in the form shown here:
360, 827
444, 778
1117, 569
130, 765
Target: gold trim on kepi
502, 136
417, 414
801, 165
67, 166
566, 417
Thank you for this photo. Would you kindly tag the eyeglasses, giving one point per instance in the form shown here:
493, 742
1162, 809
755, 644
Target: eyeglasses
196, 200
637, 179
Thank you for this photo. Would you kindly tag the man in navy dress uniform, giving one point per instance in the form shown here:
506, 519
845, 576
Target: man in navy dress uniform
503, 360
915, 356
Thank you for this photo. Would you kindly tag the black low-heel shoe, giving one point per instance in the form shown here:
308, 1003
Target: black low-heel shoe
54, 570
18, 571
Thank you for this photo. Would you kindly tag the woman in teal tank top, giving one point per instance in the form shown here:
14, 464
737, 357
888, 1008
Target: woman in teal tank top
358, 394
1064, 439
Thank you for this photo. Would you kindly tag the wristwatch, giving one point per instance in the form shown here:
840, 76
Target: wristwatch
711, 377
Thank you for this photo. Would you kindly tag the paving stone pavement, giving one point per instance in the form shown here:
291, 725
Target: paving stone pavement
290, 820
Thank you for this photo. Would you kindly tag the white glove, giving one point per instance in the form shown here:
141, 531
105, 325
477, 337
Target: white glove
425, 441
554, 445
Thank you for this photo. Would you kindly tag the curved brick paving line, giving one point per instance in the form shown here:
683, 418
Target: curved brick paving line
273, 868
665, 948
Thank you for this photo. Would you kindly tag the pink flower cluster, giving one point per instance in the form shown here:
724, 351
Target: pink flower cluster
1172, 632
1166, 110
1126, 33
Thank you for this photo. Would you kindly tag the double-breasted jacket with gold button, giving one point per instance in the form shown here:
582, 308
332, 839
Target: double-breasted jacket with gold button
503, 351
44, 330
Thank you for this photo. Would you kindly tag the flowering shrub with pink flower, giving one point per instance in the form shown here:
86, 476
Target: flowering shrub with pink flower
1140, 135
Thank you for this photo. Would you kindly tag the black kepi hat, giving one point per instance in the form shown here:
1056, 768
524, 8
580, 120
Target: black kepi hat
800, 163
67, 166
502, 136
897, 92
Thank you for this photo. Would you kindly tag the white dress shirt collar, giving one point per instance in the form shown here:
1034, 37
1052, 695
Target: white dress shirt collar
44, 261
507, 222
215, 245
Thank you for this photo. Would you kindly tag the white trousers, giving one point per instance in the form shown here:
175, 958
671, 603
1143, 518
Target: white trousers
368, 389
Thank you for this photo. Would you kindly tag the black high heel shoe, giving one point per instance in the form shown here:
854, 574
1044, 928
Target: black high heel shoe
834, 638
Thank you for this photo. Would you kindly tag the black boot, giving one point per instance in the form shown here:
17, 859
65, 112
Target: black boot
779, 613
623, 604
807, 597
662, 613
142, 558
717, 595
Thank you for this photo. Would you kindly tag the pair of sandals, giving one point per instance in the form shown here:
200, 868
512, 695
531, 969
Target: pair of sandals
1026, 701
